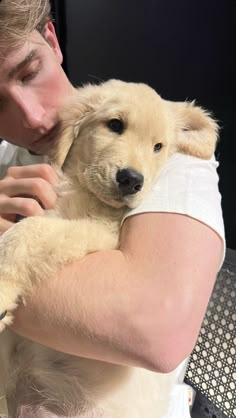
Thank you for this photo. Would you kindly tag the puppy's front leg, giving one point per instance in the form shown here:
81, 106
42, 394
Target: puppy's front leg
35, 248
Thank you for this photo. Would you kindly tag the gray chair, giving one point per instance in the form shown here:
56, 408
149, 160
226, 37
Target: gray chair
212, 366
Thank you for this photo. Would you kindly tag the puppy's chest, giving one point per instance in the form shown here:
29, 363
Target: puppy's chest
76, 206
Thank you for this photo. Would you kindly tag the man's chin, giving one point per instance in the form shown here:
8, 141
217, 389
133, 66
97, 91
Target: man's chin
43, 149
35, 153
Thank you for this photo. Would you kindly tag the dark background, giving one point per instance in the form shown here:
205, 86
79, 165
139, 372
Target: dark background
184, 49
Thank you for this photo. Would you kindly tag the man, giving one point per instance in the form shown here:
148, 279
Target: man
143, 304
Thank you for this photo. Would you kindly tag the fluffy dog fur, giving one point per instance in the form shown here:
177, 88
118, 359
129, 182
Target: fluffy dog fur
104, 129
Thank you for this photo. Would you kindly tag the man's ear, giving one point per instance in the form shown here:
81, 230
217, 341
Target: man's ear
51, 38
75, 112
196, 131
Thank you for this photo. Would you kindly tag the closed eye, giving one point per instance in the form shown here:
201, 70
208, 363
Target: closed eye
30, 72
29, 77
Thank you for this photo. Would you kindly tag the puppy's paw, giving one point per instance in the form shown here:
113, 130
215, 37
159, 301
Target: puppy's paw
10, 296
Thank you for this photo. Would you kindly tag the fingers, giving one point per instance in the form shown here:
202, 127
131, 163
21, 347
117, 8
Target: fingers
19, 205
43, 171
26, 191
26, 187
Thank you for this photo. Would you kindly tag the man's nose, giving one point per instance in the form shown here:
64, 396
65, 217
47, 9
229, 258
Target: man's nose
31, 111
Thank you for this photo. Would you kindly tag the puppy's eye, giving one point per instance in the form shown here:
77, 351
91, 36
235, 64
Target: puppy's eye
116, 125
157, 147
2, 315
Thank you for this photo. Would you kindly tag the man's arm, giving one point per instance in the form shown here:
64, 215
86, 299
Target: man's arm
141, 305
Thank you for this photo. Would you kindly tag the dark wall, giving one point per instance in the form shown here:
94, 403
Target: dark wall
184, 49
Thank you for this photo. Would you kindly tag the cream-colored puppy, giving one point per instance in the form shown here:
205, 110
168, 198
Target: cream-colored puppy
113, 142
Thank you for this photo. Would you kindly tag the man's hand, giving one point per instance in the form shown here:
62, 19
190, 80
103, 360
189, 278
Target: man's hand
26, 191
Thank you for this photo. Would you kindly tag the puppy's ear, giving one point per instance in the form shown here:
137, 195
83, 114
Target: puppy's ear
75, 111
196, 130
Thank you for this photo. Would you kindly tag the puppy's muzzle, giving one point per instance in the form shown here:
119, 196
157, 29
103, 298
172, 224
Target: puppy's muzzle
129, 181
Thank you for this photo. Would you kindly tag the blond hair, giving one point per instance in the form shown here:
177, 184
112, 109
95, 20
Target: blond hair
21, 17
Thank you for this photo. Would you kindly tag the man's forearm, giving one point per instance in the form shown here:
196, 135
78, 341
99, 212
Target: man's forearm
92, 309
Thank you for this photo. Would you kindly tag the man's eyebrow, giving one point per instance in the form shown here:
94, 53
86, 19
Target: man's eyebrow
30, 57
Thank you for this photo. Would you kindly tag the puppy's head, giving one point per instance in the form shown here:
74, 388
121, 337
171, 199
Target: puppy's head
116, 137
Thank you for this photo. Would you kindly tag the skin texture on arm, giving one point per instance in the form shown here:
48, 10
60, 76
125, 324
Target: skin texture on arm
141, 305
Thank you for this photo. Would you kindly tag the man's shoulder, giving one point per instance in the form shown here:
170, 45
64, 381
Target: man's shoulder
187, 186
7, 151
7, 156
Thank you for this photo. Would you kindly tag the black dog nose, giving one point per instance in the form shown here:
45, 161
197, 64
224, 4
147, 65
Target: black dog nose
130, 181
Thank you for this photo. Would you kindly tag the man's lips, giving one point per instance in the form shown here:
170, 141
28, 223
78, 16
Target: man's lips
42, 142
46, 137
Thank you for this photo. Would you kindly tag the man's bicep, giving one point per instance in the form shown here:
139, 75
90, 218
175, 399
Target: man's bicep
180, 257
172, 236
